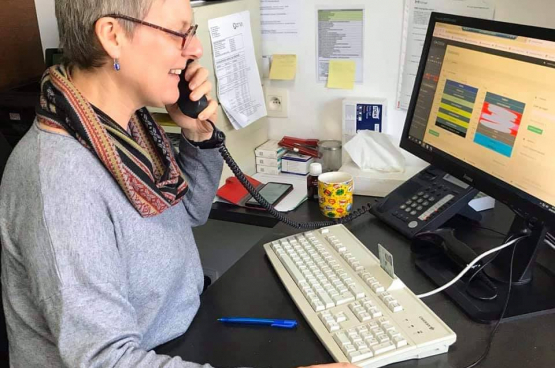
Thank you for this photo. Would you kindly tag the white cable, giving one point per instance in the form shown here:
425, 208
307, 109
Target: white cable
550, 243
485, 254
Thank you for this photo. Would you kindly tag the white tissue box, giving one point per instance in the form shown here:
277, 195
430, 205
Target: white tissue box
378, 184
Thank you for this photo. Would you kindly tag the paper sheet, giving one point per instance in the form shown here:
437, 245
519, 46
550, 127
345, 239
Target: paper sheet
415, 24
340, 36
341, 74
284, 67
279, 19
239, 86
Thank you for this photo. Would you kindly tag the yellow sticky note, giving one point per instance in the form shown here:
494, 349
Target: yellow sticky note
341, 74
284, 67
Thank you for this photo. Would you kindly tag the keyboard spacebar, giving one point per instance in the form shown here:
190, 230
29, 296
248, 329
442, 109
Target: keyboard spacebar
292, 268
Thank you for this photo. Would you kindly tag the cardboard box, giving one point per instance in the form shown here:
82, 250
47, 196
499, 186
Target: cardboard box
274, 162
269, 149
294, 163
268, 169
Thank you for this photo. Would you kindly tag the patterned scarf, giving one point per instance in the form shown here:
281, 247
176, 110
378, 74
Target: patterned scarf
142, 161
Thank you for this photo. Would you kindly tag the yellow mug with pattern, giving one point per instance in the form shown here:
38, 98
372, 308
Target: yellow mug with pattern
335, 192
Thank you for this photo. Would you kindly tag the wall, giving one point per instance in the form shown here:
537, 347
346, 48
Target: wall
315, 111
47, 24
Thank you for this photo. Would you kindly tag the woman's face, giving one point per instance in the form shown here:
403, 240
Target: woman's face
148, 59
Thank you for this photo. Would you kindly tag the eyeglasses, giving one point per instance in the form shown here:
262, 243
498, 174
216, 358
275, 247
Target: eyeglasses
186, 37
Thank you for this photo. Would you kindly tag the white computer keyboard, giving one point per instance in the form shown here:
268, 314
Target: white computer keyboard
360, 313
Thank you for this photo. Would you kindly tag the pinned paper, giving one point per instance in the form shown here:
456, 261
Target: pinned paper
341, 74
284, 67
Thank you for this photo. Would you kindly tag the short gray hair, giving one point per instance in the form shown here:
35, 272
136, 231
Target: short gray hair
76, 21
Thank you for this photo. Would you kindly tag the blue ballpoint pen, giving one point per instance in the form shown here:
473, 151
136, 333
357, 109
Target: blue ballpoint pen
280, 323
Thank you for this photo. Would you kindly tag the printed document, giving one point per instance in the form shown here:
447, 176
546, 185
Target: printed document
340, 36
239, 85
415, 25
279, 18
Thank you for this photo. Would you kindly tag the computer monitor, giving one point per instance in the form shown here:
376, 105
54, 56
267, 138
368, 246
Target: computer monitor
483, 110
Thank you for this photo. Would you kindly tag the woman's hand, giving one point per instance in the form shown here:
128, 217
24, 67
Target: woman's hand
197, 130
332, 365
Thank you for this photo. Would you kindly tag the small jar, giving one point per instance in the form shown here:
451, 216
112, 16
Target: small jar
330, 155
315, 170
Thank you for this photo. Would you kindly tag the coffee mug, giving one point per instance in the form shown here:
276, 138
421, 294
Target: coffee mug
335, 192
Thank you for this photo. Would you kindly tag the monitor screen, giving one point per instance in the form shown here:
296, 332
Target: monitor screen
485, 100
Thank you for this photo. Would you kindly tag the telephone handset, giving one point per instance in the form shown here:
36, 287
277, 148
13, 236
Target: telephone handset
189, 108
194, 108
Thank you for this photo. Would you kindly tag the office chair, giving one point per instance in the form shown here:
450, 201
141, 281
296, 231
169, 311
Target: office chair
5, 150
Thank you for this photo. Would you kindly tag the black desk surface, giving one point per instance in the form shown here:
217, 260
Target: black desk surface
251, 288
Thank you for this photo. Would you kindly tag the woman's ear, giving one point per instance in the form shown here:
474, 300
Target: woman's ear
110, 35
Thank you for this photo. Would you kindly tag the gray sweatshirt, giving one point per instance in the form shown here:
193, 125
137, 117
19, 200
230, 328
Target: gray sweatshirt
86, 281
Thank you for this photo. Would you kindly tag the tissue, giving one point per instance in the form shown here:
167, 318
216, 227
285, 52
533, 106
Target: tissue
372, 150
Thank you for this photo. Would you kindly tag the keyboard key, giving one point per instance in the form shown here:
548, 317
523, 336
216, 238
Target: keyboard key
292, 269
360, 345
392, 333
382, 348
317, 305
341, 339
375, 312
325, 298
348, 348
340, 317
382, 338
362, 354
363, 317
395, 307
357, 291
343, 298
377, 287
387, 326
399, 341
332, 326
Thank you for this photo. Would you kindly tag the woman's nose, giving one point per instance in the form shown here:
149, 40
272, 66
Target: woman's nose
193, 50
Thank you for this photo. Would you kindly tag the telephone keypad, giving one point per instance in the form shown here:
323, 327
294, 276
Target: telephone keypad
421, 202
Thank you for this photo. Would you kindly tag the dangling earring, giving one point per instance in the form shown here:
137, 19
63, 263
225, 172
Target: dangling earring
117, 67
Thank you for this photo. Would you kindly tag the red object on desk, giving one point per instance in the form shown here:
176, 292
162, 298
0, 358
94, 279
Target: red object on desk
303, 146
233, 191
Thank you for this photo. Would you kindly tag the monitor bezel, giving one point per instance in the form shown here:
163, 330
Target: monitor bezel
521, 202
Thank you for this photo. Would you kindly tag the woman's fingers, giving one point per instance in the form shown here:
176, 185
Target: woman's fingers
210, 111
202, 90
191, 70
197, 77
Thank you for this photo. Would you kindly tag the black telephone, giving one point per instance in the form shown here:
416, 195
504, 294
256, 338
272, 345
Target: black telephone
194, 108
425, 202
189, 108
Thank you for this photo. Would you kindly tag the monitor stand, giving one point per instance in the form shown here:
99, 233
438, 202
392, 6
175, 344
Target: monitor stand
532, 290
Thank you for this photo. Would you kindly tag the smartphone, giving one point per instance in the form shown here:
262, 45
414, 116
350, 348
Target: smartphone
272, 192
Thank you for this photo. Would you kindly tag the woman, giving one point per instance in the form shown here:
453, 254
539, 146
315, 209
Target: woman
99, 264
